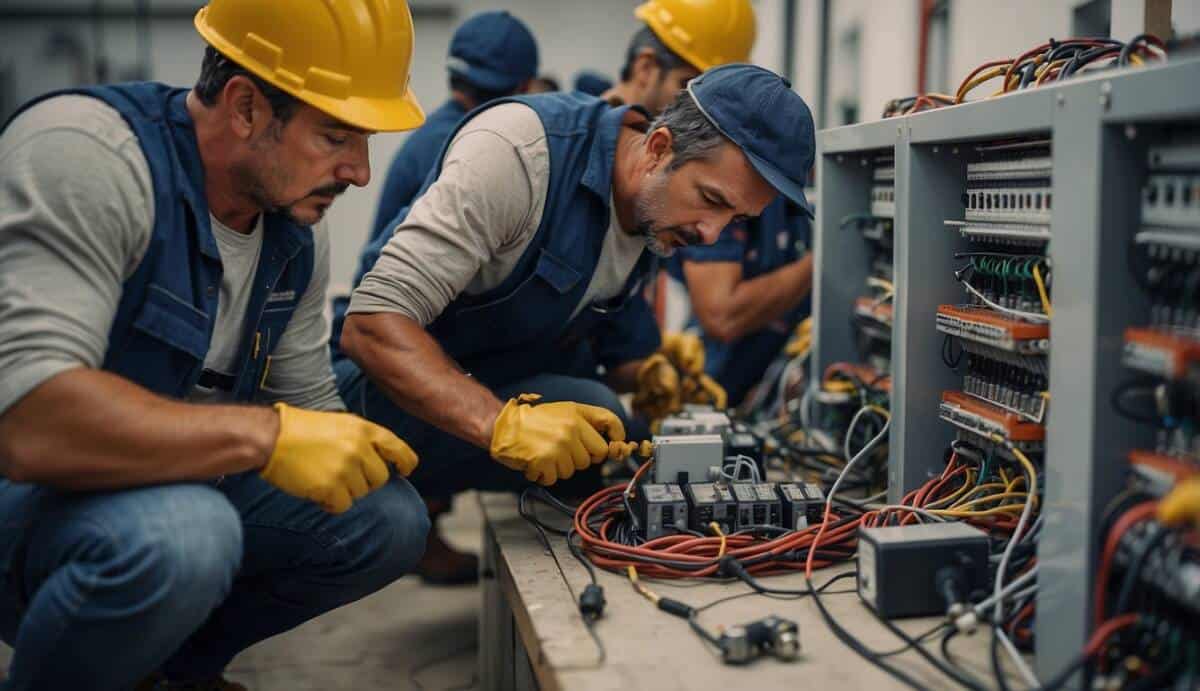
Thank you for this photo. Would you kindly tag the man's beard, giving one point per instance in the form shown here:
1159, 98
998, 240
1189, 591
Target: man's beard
286, 208
649, 206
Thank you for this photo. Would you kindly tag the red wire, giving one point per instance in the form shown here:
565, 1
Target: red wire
1133, 516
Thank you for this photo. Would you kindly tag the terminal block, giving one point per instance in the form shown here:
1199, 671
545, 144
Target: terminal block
757, 504
994, 329
661, 509
1162, 353
711, 502
973, 415
802, 504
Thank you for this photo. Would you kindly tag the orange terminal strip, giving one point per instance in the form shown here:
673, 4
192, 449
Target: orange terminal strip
1163, 353
989, 327
984, 418
1161, 464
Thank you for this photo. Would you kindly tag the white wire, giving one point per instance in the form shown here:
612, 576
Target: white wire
1009, 589
1031, 316
861, 454
998, 611
1018, 661
741, 461
804, 400
913, 509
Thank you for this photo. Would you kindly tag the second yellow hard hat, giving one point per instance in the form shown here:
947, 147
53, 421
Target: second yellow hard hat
706, 33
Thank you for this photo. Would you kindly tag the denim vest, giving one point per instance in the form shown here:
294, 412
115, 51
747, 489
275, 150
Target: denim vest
523, 326
164, 321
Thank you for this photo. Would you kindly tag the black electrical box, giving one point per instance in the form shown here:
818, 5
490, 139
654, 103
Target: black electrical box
802, 504
902, 569
757, 504
661, 510
711, 502
740, 441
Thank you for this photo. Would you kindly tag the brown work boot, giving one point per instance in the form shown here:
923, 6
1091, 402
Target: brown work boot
442, 564
159, 683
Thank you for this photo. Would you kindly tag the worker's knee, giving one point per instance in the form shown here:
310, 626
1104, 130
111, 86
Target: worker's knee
384, 536
168, 554
578, 390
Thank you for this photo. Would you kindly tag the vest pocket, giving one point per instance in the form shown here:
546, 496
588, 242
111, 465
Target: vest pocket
174, 321
561, 277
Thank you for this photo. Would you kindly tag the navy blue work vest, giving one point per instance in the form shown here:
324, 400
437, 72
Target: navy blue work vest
523, 326
164, 321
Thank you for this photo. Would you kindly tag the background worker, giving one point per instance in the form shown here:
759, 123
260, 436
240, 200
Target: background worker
525, 257
163, 269
681, 39
492, 55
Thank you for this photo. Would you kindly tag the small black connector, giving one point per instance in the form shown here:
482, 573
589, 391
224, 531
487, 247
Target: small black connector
591, 602
675, 607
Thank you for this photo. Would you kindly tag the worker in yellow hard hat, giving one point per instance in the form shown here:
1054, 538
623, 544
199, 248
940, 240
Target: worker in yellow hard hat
180, 479
681, 39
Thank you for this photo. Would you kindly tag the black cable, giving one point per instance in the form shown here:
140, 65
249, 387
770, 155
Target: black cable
1133, 573
919, 639
942, 667
854, 644
950, 657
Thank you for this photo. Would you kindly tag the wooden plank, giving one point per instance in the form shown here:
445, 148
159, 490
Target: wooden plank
648, 649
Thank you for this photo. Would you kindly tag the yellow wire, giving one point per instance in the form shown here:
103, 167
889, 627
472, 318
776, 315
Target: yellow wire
1030, 470
1041, 286
986, 75
994, 497
982, 488
1136, 59
717, 529
641, 589
839, 386
1010, 510
882, 411
1004, 476
957, 493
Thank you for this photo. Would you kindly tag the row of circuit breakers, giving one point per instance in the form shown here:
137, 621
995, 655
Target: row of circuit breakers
691, 489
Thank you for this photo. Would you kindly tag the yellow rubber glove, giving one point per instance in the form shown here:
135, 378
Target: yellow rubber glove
1182, 504
801, 341
704, 389
685, 351
550, 441
333, 458
657, 388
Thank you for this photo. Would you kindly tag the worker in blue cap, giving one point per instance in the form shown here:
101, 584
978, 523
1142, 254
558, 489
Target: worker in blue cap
592, 83
492, 55
524, 256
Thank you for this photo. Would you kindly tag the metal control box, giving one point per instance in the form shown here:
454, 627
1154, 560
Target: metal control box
695, 422
688, 458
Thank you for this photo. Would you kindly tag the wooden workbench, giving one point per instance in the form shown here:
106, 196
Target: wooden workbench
532, 636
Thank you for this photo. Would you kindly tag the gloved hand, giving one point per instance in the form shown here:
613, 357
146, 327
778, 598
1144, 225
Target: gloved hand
1182, 504
657, 388
801, 341
333, 458
550, 441
685, 351
704, 389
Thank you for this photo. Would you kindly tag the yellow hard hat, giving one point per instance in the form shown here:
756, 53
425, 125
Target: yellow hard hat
706, 33
347, 58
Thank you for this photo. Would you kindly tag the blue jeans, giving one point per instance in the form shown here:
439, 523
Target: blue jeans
103, 589
450, 465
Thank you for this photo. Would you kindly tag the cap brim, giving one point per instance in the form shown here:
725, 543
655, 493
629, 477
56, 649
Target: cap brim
786, 186
484, 78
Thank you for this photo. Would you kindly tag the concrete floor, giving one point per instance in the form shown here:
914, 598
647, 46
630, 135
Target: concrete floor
407, 636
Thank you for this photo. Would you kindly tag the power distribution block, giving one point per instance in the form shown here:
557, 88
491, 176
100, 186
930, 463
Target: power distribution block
920, 570
711, 502
688, 458
757, 504
661, 510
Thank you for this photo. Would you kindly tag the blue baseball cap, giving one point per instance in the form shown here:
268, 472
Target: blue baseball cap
494, 51
592, 83
758, 111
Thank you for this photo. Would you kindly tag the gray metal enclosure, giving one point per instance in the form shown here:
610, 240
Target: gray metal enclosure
1100, 127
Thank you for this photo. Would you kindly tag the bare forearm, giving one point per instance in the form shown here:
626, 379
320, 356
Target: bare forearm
754, 303
87, 429
411, 367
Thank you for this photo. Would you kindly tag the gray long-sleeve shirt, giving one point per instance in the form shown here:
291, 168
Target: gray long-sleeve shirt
76, 215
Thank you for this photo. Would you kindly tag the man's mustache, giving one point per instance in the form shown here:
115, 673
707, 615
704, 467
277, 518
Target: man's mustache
331, 190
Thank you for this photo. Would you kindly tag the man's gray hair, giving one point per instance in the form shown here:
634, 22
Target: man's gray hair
694, 137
